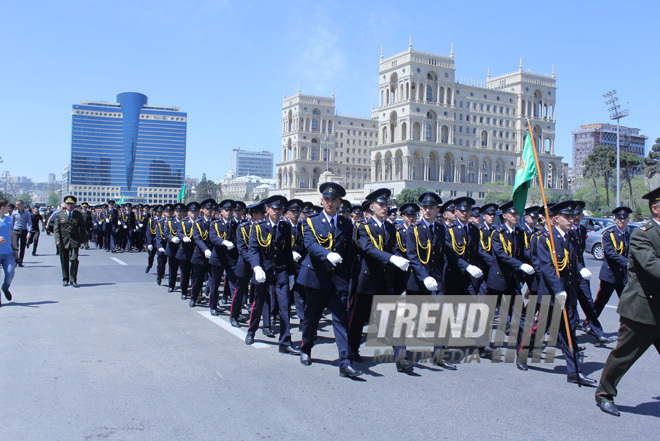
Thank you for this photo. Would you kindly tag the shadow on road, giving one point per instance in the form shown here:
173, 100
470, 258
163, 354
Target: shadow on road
28, 304
87, 285
651, 408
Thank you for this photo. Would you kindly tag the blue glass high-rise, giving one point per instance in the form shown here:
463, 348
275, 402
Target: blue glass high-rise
127, 149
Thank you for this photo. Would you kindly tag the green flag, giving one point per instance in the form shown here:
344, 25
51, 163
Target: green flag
182, 193
525, 172
121, 200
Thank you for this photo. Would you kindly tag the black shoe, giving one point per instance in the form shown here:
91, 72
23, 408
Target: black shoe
270, 332
170, 289
20, 265
604, 340
223, 300
581, 348
608, 407
75, 284
286, 349
355, 356
234, 322
349, 372
158, 280
7, 294
578, 378
192, 303
522, 365
249, 339
404, 365
34, 254
147, 269
486, 352
214, 312
445, 365
305, 359
65, 283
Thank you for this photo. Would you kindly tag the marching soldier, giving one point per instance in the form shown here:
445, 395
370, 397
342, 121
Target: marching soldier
293, 209
391, 215
447, 213
345, 209
228, 224
151, 233
202, 253
639, 307
173, 241
409, 212
271, 258
161, 242
89, 223
325, 273
376, 240
70, 233
221, 233
187, 247
488, 212
141, 226
356, 213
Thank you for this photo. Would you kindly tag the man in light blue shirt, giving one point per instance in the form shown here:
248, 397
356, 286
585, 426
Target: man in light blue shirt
7, 254
22, 224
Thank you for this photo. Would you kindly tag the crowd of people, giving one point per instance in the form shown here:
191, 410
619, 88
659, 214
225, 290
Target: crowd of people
275, 255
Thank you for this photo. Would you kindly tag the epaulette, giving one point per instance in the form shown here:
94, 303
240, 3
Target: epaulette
646, 227
261, 221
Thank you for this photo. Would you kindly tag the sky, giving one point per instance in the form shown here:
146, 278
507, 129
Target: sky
228, 64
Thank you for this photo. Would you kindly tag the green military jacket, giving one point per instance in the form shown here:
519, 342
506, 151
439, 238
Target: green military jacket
640, 300
69, 231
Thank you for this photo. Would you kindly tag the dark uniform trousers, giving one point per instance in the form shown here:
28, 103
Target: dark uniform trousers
69, 261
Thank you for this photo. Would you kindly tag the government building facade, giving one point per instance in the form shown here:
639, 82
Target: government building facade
429, 130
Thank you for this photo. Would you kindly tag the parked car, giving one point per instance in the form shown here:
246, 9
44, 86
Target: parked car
594, 245
595, 224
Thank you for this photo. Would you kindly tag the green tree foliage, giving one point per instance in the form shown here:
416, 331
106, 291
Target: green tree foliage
409, 195
208, 189
53, 199
629, 164
601, 163
27, 200
652, 161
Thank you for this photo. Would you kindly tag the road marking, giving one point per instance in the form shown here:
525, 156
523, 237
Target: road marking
121, 262
229, 328
610, 306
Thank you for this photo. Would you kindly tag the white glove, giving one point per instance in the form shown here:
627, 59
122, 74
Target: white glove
259, 274
560, 299
150, 247
207, 254
186, 239
529, 269
162, 250
176, 240
228, 244
431, 284
292, 281
335, 259
96, 224
400, 262
585, 273
296, 256
125, 227
475, 271
140, 225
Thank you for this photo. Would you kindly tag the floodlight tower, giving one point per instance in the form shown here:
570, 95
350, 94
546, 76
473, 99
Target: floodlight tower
616, 113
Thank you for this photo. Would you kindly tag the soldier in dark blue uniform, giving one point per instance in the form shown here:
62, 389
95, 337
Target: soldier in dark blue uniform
173, 241
243, 271
485, 227
356, 213
614, 271
293, 211
271, 258
220, 233
152, 231
141, 220
447, 213
187, 246
409, 212
325, 273
227, 225
202, 253
239, 211
161, 242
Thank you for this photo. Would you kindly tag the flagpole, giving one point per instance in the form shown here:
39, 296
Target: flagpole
553, 251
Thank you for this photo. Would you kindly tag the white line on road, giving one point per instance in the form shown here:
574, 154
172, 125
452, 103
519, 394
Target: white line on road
229, 328
121, 262
610, 306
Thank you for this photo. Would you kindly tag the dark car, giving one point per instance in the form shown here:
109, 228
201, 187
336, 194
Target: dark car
595, 224
594, 244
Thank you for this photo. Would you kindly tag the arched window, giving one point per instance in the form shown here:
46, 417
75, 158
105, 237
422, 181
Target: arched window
315, 150
429, 93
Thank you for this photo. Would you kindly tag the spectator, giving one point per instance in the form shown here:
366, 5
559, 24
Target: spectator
7, 255
22, 224
33, 235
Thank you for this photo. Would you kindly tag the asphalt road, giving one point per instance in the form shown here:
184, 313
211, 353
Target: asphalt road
121, 359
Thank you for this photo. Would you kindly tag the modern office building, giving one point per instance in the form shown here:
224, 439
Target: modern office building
589, 136
247, 163
127, 149
429, 130
66, 180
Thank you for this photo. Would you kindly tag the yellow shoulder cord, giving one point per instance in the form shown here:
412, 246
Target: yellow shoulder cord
183, 227
506, 245
526, 241
160, 229
619, 249
246, 239
221, 236
172, 232
204, 235
460, 249
561, 264
153, 230
260, 240
483, 245
293, 240
321, 242
378, 245
398, 241
419, 245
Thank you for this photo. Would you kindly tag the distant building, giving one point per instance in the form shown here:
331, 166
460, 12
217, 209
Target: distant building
589, 136
51, 178
246, 187
127, 149
66, 178
244, 163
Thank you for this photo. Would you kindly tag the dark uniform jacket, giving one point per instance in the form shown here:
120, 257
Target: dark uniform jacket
243, 267
463, 249
640, 300
201, 233
270, 248
486, 244
508, 251
298, 244
228, 258
87, 218
171, 226
426, 253
376, 247
567, 250
615, 246
316, 271
152, 231
69, 230
186, 249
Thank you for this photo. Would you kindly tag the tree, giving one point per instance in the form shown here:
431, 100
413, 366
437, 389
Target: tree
652, 161
409, 195
629, 164
600, 163
53, 199
207, 189
27, 200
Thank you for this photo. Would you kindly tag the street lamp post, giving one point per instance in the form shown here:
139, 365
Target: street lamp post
616, 113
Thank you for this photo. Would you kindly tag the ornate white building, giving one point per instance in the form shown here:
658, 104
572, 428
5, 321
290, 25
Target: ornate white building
429, 130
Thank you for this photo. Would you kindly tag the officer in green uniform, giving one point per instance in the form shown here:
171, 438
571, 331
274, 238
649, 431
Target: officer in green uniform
639, 307
69, 233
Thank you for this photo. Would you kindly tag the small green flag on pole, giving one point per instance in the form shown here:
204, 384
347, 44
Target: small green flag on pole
182, 193
121, 200
525, 172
